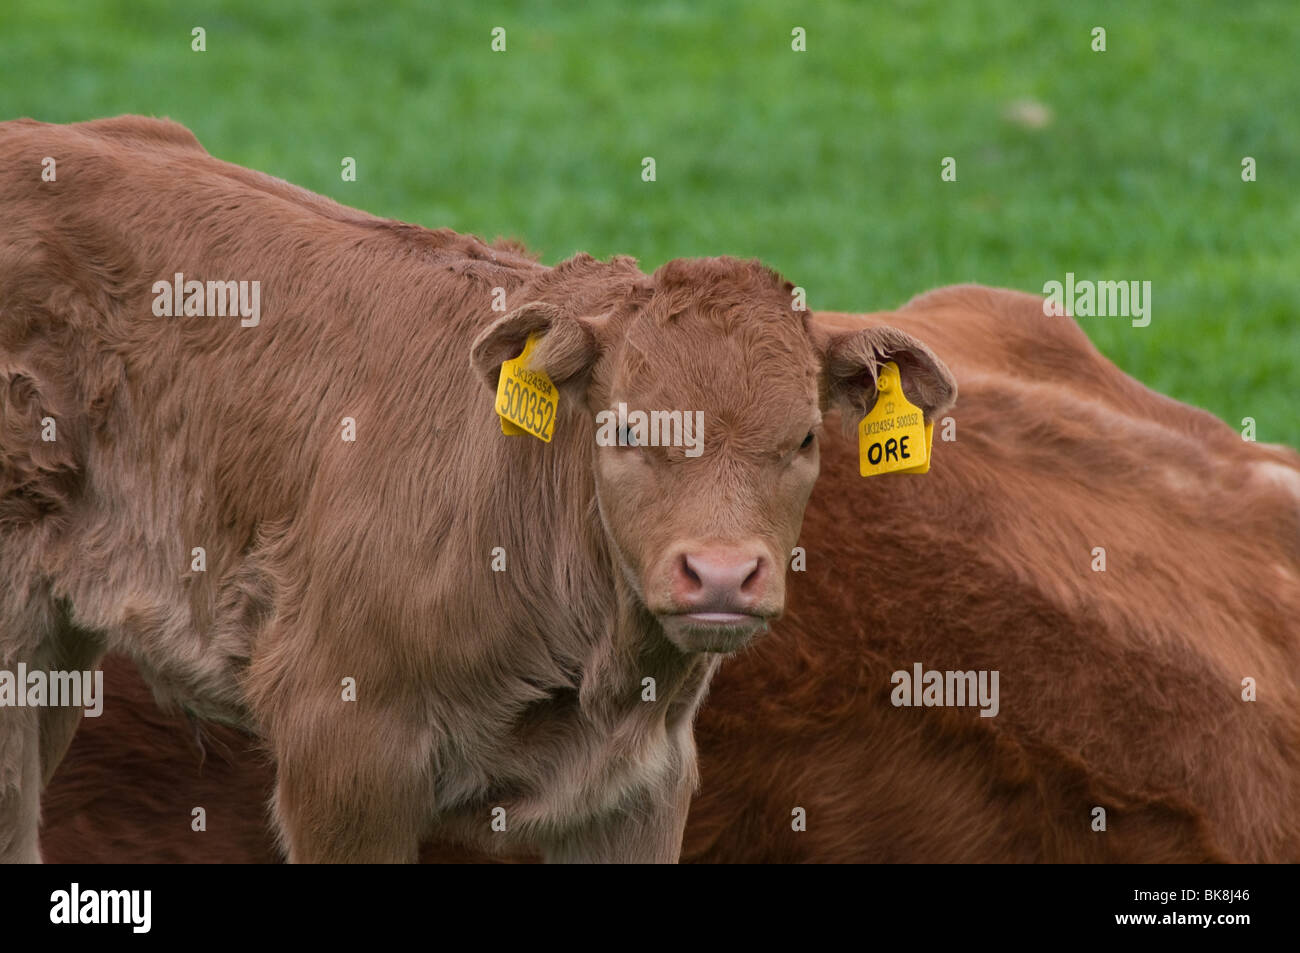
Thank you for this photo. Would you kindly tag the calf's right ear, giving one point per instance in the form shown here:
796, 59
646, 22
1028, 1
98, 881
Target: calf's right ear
566, 347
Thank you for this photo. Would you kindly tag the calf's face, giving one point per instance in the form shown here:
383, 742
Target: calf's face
705, 391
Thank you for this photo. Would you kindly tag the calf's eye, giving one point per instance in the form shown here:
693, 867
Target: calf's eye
807, 441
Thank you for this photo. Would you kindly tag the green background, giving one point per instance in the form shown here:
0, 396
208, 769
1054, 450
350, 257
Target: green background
1125, 164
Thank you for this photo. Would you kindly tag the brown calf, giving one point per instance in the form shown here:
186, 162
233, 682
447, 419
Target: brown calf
245, 439
1120, 689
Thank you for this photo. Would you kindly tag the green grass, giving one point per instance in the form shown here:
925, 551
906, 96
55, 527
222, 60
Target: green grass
825, 163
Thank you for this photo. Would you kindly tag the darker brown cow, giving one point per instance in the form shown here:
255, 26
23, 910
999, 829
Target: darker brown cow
1120, 689
245, 439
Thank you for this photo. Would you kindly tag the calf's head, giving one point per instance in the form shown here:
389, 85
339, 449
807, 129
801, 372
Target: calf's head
705, 390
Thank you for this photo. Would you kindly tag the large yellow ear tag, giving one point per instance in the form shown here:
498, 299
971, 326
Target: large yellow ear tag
894, 437
526, 399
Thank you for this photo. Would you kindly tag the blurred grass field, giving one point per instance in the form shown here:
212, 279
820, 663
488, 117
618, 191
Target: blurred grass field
1117, 165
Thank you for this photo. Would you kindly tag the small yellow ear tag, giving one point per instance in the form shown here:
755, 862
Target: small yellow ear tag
894, 437
526, 399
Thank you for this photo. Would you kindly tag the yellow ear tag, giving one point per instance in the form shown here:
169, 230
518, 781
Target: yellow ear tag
526, 399
894, 437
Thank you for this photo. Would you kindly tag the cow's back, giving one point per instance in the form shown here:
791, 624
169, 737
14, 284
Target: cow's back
222, 433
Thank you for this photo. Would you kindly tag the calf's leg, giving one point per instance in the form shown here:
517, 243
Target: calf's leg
70, 650
20, 785
33, 740
646, 831
352, 789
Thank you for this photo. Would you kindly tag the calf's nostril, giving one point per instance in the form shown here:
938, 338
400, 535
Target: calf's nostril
755, 577
689, 573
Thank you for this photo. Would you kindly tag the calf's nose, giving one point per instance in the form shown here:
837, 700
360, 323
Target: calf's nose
720, 579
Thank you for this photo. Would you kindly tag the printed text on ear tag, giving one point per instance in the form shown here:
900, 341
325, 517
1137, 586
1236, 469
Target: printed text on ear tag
929, 451
526, 399
893, 437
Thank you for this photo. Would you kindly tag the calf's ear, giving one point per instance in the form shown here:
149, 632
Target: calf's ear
853, 360
566, 347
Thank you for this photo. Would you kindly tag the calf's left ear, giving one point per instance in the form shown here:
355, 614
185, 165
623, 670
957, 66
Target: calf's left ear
566, 347
853, 360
